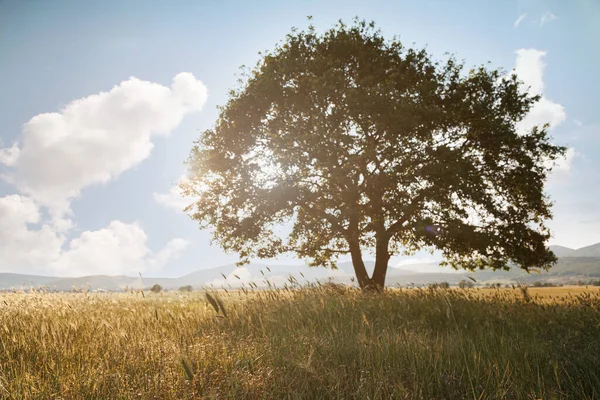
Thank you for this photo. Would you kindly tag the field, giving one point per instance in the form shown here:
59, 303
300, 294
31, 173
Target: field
316, 343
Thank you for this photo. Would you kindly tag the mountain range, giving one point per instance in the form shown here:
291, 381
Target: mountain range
573, 264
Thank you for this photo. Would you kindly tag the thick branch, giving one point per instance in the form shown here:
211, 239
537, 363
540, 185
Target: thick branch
397, 226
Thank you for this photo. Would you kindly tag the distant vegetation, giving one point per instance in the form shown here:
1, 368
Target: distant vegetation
465, 284
156, 288
310, 343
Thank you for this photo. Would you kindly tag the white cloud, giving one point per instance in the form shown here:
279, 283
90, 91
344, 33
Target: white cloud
578, 123
529, 67
9, 155
547, 17
563, 165
544, 111
96, 138
519, 20
169, 253
119, 248
21, 247
424, 265
115, 249
91, 140
413, 261
174, 198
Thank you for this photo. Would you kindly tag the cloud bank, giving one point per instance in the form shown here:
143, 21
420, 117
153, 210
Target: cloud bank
96, 138
120, 248
92, 140
529, 67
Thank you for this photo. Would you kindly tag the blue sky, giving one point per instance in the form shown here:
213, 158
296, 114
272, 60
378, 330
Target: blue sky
109, 213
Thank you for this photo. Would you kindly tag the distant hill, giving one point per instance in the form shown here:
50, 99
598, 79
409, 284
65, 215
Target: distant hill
573, 264
8, 280
577, 266
588, 251
107, 282
561, 251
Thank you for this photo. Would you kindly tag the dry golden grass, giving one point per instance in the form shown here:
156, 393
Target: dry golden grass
562, 293
323, 342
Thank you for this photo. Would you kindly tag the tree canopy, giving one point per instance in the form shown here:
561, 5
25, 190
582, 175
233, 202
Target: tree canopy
364, 145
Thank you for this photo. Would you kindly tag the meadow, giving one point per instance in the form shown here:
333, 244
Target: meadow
305, 343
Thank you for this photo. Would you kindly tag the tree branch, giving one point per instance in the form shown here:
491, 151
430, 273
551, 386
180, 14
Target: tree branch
396, 226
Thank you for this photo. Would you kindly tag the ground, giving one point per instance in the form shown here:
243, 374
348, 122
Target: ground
320, 342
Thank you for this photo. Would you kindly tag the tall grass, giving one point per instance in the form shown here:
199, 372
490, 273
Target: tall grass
319, 342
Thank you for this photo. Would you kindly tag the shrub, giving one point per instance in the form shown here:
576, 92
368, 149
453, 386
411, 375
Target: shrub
465, 284
156, 288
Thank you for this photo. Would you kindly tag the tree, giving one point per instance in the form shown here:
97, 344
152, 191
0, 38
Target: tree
441, 285
186, 288
361, 144
156, 288
465, 284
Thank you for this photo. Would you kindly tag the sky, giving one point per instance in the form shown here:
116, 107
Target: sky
100, 103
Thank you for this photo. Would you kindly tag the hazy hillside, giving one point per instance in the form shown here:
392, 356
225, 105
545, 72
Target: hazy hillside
107, 282
573, 264
8, 280
588, 251
561, 251
580, 266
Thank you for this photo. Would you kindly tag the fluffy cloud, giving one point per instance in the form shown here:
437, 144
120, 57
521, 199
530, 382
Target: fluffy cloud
544, 111
119, 248
96, 138
20, 246
529, 68
169, 253
563, 165
92, 140
174, 198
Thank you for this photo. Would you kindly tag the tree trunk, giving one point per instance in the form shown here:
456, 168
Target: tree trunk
359, 266
382, 257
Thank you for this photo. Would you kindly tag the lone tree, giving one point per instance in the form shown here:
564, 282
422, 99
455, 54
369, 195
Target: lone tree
156, 288
362, 144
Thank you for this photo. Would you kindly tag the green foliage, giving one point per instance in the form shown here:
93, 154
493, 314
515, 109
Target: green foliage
311, 343
361, 143
186, 288
156, 288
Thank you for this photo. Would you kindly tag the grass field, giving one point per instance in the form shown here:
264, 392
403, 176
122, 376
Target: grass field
313, 343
